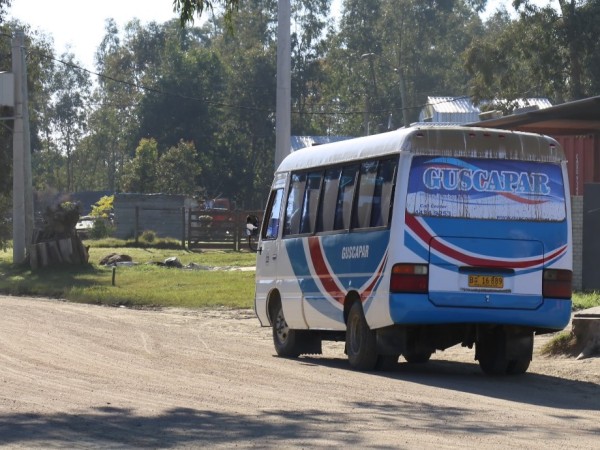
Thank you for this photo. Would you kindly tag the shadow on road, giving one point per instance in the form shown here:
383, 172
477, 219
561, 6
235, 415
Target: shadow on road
530, 388
181, 427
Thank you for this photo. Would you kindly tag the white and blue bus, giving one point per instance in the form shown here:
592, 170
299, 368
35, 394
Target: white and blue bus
415, 240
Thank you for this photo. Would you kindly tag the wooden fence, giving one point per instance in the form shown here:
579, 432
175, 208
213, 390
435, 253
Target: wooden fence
218, 228
197, 228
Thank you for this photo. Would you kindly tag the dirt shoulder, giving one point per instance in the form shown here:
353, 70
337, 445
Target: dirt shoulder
83, 376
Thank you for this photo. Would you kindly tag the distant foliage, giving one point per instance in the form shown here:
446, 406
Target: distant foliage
141, 172
102, 229
148, 236
5, 222
103, 207
60, 221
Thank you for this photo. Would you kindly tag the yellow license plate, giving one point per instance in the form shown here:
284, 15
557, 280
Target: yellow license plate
486, 281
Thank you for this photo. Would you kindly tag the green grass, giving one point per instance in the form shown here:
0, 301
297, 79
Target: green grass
563, 343
142, 285
585, 300
147, 284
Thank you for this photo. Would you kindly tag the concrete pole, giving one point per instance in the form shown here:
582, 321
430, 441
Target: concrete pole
283, 111
18, 223
28, 189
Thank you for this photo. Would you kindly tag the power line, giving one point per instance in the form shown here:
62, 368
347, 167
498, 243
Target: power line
154, 90
243, 107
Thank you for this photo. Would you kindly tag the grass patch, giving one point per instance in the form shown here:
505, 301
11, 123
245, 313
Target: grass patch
212, 258
143, 242
564, 343
145, 284
141, 285
585, 300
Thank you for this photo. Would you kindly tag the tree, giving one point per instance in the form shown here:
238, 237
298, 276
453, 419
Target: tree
178, 170
141, 172
4, 5
389, 55
69, 110
240, 165
188, 8
308, 50
544, 52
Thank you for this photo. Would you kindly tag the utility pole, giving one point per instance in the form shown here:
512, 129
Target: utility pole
283, 110
22, 190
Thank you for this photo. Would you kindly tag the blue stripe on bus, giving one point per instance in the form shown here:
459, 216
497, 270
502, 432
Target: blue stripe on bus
350, 260
417, 309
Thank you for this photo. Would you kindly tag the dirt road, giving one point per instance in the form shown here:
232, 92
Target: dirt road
81, 376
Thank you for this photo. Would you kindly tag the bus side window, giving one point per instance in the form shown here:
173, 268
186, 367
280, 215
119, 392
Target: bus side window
293, 209
366, 189
343, 209
383, 195
326, 215
273, 213
311, 202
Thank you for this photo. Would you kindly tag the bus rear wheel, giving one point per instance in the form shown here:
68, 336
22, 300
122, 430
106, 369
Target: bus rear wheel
518, 366
361, 344
503, 353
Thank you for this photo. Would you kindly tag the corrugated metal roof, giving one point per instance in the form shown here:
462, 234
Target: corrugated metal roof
518, 103
449, 109
452, 105
298, 142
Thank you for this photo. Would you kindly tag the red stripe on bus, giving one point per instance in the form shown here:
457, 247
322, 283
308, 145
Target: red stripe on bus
428, 239
320, 267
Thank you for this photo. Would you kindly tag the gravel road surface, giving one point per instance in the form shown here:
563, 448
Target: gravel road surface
84, 376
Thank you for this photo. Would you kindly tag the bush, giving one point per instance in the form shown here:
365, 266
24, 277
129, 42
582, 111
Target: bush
101, 229
103, 207
148, 236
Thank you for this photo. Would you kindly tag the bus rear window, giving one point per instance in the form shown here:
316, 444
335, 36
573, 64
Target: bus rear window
485, 189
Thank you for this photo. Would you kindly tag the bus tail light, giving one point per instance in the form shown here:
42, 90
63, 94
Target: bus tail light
409, 278
557, 283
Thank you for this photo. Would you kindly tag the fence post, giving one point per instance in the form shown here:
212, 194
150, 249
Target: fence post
183, 226
236, 231
137, 219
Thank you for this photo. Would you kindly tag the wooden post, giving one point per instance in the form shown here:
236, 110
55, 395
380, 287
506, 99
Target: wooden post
236, 231
137, 219
183, 227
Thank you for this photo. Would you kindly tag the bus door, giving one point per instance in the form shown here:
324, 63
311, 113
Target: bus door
267, 275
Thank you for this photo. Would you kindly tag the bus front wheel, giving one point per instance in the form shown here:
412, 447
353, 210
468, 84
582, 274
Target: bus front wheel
361, 344
287, 341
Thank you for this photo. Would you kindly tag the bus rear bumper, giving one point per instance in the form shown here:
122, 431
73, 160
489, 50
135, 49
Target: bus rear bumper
415, 309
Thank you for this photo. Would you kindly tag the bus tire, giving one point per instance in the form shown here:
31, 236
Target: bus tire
361, 344
287, 342
489, 353
387, 362
518, 366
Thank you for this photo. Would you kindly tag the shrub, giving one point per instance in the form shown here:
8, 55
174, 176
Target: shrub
148, 236
103, 207
101, 229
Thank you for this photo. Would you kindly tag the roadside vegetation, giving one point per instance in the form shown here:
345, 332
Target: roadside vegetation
215, 278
